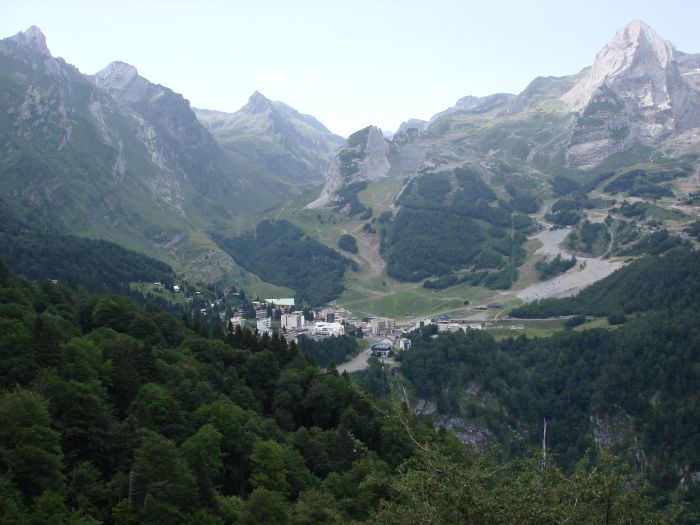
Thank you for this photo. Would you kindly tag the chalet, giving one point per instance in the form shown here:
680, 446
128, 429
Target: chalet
449, 327
285, 304
422, 323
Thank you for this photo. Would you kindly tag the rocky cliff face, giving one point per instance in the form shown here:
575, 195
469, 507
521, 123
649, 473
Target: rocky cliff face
633, 94
113, 155
169, 130
364, 157
412, 124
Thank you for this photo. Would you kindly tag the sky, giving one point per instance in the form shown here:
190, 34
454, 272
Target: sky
348, 63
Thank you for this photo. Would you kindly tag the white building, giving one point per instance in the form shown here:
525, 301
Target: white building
402, 343
293, 322
322, 328
237, 321
449, 327
264, 325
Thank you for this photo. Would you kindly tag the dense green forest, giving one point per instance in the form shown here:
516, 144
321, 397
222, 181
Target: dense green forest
329, 350
348, 243
653, 283
283, 254
118, 414
546, 269
639, 183
589, 238
98, 266
636, 389
693, 230
447, 222
347, 197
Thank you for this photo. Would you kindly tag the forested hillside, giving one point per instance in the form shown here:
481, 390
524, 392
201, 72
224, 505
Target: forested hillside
283, 254
111, 413
634, 389
99, 266
654, 283
450, 221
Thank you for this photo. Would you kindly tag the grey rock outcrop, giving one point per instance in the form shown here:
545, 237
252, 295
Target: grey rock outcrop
32, 39
633, 94
412, 123
477, 437
363, 157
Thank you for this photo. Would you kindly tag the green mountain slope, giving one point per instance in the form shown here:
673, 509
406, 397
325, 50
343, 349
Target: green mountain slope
98, 266
116, 157
294, 149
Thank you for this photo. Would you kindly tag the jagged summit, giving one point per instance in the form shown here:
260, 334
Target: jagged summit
634, 94
634, 53
257, 103
33, 39
363, 157
116, 75
412, 123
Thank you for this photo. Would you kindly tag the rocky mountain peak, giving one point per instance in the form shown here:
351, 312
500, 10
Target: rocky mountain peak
116, 76
257, 103
636, 51
363, 157
633, 94
33, 39
412, 123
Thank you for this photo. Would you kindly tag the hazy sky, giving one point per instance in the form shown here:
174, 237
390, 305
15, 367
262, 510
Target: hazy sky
348, 63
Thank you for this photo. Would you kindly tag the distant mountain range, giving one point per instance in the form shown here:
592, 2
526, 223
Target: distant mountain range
452, 201
117, 157
295, 147
640, 93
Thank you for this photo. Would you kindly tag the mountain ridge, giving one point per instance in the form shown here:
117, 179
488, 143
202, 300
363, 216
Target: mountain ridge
276, 135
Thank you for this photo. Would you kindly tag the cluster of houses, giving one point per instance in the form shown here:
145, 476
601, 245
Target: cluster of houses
336, 321
292, 323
